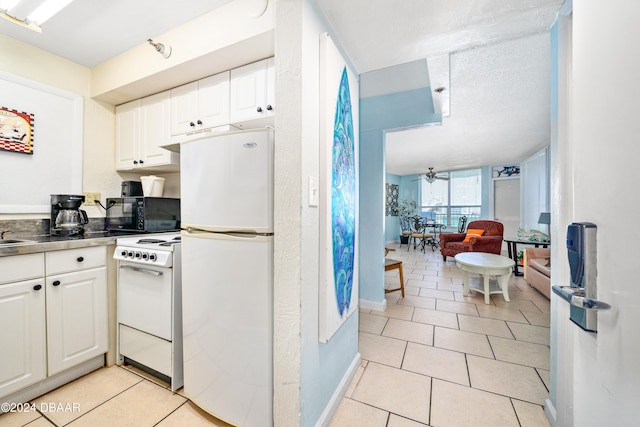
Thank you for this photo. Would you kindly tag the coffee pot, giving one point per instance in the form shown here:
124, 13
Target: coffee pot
66, 216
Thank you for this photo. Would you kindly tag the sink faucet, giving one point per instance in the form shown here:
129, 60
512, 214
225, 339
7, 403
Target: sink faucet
5, 231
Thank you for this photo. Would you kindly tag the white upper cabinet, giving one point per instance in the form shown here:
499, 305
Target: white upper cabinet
252, 93
142, 127
127, 135
201, 105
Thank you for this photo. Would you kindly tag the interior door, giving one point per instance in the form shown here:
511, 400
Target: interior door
506, 208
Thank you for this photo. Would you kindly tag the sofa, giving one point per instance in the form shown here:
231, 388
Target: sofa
451, 244
537, 269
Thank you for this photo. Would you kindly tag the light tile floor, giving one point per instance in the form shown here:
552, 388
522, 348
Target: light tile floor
114, 397
433, 358
439, 358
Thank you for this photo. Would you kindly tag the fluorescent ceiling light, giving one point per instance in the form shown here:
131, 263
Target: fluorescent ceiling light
7, 5
47, 10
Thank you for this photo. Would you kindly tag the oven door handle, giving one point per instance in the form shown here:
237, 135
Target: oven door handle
143, 270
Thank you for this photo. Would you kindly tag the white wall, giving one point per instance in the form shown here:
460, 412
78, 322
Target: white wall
98, 130
598, 377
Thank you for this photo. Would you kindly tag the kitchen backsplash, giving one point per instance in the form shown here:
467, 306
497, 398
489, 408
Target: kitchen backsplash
22, 228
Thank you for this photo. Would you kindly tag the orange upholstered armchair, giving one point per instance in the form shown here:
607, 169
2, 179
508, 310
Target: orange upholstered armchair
490, 241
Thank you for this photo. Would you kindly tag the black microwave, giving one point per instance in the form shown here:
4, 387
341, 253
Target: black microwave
143, 214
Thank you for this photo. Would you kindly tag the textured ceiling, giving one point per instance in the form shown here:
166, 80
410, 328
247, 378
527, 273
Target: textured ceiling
499, 111
499, 73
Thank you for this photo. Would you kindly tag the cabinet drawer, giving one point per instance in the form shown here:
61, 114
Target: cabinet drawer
21, 267
75, 259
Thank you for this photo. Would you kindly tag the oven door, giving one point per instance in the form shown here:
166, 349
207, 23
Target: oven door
144, 298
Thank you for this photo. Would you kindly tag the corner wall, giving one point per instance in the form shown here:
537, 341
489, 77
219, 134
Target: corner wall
309, 376
395, 97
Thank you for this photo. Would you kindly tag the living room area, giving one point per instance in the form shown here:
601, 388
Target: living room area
439, 357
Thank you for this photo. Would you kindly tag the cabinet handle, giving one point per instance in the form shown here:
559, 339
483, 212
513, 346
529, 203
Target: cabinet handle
135, 162
199, 122
56, 283
80, 259
37, 287
192, 124
269, 107
259, 109
141, 161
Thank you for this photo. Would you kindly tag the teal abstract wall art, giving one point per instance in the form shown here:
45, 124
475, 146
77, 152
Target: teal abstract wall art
343, 197
338, 202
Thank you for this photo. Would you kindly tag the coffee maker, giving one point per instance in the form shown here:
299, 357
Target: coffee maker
67, 219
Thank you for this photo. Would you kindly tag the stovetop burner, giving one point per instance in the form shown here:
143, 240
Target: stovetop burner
160, 242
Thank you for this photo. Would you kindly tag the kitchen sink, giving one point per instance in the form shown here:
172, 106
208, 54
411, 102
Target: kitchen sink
13, 241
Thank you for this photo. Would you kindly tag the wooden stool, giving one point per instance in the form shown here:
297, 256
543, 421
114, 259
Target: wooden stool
392, 264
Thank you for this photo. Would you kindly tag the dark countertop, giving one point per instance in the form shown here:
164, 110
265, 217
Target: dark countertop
34, 244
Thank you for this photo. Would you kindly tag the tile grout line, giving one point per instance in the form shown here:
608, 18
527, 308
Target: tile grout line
102, 403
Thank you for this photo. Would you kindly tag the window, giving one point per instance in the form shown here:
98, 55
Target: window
446, 200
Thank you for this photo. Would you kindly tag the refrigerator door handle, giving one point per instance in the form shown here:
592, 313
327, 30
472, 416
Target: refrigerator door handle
240, 234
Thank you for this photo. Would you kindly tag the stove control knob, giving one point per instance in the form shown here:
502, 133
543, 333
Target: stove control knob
153, 257
138, 255
123, 254
145, 256
130, 254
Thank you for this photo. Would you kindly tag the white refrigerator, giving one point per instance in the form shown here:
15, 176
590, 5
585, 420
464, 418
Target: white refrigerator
226, 186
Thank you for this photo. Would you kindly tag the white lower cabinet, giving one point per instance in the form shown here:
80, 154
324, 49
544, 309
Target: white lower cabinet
53, 313
76, 318
23, 349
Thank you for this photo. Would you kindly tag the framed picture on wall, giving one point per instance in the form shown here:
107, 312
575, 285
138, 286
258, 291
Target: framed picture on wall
338, 263
16, 131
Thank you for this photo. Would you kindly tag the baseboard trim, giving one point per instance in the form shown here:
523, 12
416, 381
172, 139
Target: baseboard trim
42, 387
334, 402
550, 412
373, 305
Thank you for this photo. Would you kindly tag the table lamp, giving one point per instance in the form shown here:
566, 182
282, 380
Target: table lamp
545, 218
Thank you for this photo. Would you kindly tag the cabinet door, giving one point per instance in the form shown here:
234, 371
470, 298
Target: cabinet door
76, 318
23, 350
213, 101
127, 135
248, 92
155, 116
184, 108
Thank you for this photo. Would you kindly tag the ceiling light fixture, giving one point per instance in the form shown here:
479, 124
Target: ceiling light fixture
161, 49
34, 14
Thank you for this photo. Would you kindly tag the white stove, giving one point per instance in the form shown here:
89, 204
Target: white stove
157, 250
150, 305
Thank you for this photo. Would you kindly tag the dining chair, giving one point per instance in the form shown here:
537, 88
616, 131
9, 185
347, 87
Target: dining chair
393, 264
419, 233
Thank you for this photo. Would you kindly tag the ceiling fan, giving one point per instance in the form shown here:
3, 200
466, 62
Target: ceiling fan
431, 176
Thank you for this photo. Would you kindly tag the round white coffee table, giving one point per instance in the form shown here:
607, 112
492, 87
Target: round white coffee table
485, 265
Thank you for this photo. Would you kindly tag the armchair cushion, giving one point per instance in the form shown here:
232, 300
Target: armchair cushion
472, 232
